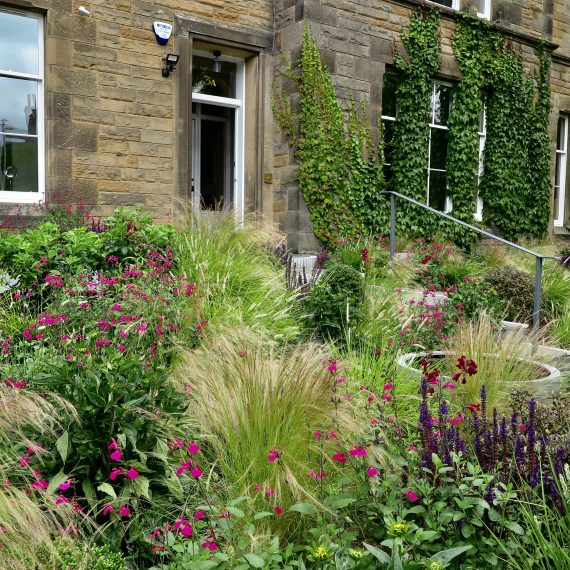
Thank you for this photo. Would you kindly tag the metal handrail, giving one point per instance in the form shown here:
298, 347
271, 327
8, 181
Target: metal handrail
538, 256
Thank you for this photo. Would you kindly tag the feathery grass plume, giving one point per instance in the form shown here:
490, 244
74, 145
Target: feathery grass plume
27, 523
503, 360
251, 397
237, 278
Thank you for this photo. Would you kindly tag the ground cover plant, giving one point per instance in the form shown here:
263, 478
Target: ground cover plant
171, 399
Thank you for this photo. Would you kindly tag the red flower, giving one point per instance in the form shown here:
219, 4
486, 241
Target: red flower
278, 510
411, 495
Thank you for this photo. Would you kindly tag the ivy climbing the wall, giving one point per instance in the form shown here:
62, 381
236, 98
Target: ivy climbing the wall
340, 168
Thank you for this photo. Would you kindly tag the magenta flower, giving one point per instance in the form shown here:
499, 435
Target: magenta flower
200, 515
339, 457
196, 472
115, 472
184, 466
411, 495
317, 434
372, 471
317, 474
193, 448
270, 493
132, 473
273, 455
61, 499
125, 511
183, 527
388, 386
108, 509
65, 485
358, 452
24, 460
210, 544
278, 510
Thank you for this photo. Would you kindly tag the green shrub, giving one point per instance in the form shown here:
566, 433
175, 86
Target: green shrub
516, 289
335, 301
472, 297
71, 555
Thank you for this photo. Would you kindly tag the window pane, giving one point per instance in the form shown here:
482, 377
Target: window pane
481, 6
18, 164
390, 82
447, 3
437, 190
204, 80
18, 106
558, 172
438, 151
560, 142
19, 49
556, 203
441, 97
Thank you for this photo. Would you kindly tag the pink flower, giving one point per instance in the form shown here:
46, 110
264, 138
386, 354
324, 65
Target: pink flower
41, 484
199, 515
196, 472
116, 455
108, 509
387, 398
332, 366
65, 485
450, 386
61, 499
412, 447
331, 435
339, 457
184, 527
115, 472
210, 544
121, 347
273, 455
257, 487
177, 443
411, 495
270, 493
24, 460
374, 421
225, 515
388, 386
357, 452
34, 448
372, 471
340, 380
184, 466
132, 473
193, 448
125, 511
278, 510
317, 474
317, 434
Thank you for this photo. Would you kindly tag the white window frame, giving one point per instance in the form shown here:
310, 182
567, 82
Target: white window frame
560, 172
455, 4
486, 14
482, 133
433, 125
237, 103
39, 196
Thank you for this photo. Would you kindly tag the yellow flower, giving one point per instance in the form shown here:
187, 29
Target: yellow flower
399, 529
321, 553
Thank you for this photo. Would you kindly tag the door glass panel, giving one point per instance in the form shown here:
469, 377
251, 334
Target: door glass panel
205, 81
560, 142
389, 84
18, 164
19, 43
18, 105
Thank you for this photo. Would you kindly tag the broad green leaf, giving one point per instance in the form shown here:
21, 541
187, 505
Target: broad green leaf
254, 560
107, 489
514, 527
445, 556
141, 486
238, 513
262, 515
303, 508
62, 445
89, 493
58, 478
377, 553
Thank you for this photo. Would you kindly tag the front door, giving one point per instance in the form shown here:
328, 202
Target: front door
217, 132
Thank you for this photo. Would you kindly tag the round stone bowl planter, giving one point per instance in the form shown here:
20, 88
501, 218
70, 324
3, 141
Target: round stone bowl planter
541, 388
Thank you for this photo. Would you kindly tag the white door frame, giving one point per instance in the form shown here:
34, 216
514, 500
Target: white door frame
239, 133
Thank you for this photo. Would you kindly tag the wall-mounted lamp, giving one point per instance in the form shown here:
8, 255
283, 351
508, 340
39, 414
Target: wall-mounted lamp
170, 62
217, 64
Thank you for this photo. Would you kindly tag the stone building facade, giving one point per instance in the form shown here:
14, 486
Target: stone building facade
86, 113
